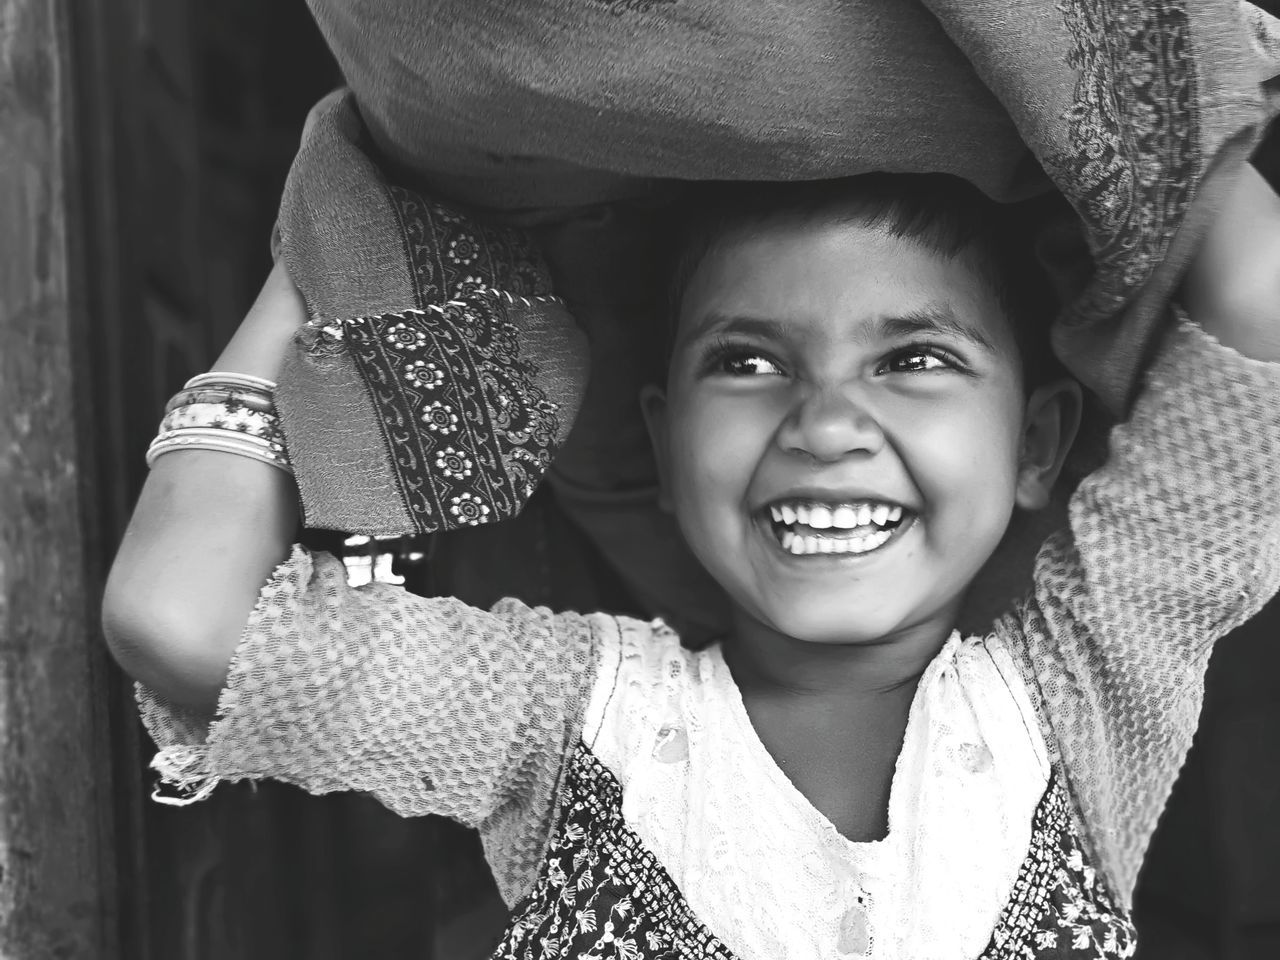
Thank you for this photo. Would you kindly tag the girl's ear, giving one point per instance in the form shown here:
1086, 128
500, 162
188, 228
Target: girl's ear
653, 404
1049, 428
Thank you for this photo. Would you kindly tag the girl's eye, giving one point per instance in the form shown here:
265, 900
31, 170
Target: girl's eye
920, 360
741, 362
749, 365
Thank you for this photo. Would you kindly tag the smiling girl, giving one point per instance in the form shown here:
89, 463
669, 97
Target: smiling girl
854, 411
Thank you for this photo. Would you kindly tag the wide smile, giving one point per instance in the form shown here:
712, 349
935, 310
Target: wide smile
811, 528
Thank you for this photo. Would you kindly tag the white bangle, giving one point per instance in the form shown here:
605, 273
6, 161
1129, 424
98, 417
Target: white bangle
219, 441
226, 413
223, 379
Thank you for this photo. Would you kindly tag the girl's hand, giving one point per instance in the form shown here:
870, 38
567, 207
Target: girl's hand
1232, 288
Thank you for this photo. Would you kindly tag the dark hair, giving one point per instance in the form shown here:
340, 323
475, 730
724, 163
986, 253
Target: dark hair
942, 213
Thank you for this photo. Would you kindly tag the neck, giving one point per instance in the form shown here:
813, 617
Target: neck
764, 661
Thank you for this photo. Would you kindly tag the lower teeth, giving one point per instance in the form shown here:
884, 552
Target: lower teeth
795, 544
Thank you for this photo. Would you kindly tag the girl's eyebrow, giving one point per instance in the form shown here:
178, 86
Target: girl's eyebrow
720, 323
933, 319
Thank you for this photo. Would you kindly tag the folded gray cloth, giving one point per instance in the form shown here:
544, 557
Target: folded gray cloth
1121, 106
438, 374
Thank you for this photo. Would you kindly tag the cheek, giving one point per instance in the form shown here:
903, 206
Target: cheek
969, 450
715, 450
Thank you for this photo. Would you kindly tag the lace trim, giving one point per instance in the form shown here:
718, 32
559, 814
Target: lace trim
1060, 908
185, 768
600, 892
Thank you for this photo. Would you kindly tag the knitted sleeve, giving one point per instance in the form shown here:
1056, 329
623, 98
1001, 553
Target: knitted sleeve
429, 705
1172, 543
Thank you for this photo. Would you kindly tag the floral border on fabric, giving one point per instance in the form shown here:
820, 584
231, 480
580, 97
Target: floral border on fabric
453, 257
469, 430
1134, 139
601, 894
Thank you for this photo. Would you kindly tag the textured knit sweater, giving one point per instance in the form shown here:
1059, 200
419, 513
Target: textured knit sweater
437, 707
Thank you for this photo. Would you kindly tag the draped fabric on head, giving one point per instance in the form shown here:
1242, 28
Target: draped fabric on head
438, 374
441, 335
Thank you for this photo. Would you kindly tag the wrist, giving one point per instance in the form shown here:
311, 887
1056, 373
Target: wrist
259, 345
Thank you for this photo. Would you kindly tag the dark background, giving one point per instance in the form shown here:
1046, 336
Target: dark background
193, 112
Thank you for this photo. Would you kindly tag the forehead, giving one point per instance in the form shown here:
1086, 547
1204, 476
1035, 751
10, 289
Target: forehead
826, 278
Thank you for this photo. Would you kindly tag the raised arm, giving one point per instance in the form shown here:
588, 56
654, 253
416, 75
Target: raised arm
207, 531
1173, 542
1233, 287
255, 658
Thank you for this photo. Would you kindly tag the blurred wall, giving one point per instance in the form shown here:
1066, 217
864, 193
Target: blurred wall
57, 893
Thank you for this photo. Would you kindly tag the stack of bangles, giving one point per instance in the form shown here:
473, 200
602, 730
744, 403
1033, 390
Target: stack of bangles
227, 412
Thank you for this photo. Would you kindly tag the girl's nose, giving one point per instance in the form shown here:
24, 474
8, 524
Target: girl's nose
830, 425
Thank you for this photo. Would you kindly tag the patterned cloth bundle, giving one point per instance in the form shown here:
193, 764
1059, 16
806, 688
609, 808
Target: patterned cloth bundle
548, 115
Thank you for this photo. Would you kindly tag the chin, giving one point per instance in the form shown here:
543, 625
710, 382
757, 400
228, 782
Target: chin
852, 621
840, 628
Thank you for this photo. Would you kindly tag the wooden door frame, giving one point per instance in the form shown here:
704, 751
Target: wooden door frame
70, 851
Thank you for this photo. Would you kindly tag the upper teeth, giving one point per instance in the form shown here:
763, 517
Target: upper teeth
843, 516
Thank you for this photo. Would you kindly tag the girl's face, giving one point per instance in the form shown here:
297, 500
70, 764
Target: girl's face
824, 371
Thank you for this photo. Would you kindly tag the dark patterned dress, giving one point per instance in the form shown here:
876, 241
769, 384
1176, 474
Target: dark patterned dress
602, 894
